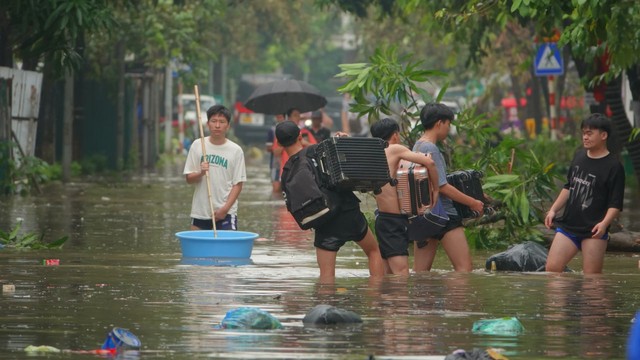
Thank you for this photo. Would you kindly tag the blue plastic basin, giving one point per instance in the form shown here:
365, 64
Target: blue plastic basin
227, 243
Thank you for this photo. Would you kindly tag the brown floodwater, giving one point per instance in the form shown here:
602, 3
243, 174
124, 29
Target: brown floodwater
122, 267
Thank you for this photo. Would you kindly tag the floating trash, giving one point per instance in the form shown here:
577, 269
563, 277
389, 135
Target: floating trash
51, 262
528, 256
476, 354
249, 318
8, 288
42, 349
326, 314
120, 339
509, 326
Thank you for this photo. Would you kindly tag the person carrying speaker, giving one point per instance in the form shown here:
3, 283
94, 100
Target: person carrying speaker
436, 119
391, 224
349, 224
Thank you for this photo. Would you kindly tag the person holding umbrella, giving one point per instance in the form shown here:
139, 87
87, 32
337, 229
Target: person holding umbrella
224, 159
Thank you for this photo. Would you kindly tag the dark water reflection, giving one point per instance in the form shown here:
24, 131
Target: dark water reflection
122, 267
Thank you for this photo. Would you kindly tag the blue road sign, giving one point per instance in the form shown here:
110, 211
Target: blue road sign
548, 60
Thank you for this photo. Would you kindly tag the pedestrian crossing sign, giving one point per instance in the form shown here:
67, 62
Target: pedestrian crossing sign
548, 60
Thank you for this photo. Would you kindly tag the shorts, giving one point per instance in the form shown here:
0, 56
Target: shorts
420, 230
577, 240
230, 222
348, 225
392, 234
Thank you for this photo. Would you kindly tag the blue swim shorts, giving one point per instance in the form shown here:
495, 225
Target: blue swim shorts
577, 240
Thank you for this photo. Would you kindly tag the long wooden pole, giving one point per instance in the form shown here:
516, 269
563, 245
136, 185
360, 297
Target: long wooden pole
204, 156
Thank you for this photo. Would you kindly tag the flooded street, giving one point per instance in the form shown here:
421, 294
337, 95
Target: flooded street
123, 267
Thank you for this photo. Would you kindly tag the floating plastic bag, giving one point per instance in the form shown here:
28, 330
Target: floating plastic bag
249, 318
476, 354
509, 326
528, 256
41, 349
120, 339
326, 314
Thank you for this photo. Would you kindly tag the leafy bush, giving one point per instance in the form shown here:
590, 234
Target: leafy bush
20, 176
520, 175
28, 241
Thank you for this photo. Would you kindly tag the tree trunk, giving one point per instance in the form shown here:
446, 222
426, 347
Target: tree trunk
621, 124
5, 111
136, 134
168, 109
146, 106
6, 53
46, 133
5, 133
534, 106
120, 107
67, 127
155, 118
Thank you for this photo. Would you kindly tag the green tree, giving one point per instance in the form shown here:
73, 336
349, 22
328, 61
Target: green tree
601, 36
49, 31
519, 187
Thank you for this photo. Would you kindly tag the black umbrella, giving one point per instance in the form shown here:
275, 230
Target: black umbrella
277, 97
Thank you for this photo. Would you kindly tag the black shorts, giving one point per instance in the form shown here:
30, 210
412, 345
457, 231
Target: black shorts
418, 223
230, 222
348, 225
392, 234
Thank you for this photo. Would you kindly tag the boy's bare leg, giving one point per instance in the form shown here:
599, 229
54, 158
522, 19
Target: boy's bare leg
387, 268
561, 252
455, 245
423, 257
327, 263
593, 255
370, 247
399, 265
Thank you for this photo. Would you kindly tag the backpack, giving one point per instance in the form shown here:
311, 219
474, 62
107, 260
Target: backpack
307, 198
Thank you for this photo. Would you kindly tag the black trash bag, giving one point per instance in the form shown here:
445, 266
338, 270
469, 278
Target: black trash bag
475, 354
327, 315
528, 256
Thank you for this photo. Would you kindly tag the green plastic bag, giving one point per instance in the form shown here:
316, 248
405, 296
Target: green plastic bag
509, 326
249, 318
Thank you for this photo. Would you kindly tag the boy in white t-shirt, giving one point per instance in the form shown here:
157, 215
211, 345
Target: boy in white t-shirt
225, 163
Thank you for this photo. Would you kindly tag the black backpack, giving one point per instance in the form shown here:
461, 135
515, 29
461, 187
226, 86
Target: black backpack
305, 193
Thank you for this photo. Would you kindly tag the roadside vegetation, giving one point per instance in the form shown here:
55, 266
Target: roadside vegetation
15, 239
520, 175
